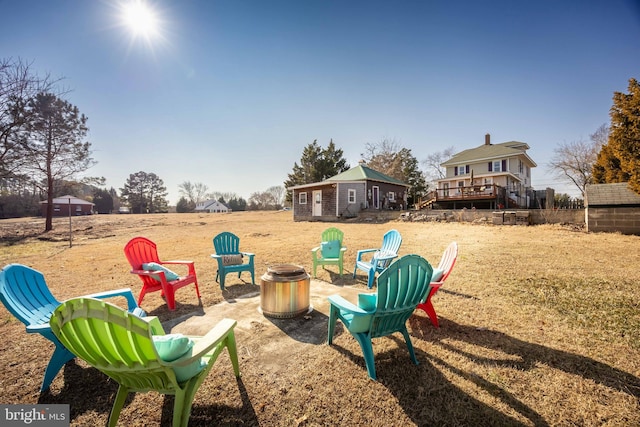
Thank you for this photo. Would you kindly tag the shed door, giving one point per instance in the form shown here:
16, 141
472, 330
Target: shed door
376, 197
317, 203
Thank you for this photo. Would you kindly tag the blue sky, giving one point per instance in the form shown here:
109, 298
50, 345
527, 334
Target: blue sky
231, 91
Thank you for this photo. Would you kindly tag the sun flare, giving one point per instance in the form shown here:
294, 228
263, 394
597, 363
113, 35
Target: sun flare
140, 18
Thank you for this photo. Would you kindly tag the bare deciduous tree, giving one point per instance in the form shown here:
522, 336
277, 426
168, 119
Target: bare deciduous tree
194, 193
433, 162
573, 161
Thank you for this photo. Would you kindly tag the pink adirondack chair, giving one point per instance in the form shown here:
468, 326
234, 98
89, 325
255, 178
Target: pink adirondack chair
447, 262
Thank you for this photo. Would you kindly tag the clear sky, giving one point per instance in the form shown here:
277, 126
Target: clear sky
229, 92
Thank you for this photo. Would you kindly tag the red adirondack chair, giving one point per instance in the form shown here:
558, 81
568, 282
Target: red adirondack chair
141, 252
447, 262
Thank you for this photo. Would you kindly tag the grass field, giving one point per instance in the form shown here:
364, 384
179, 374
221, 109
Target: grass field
539, 326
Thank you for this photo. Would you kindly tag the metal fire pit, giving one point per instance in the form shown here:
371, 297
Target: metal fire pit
284, 291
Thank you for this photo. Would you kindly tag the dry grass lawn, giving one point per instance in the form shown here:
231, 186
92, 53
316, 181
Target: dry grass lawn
539, 325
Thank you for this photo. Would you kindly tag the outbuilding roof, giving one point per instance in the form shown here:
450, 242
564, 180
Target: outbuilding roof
358, 173
617, 194
64, 200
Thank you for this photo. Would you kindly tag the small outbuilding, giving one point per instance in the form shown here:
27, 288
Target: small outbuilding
347, 194
64, 204
612, 208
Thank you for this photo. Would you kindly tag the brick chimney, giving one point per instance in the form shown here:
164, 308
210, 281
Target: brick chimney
487, 139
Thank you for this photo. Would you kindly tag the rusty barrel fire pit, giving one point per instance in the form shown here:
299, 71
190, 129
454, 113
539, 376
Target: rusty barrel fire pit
284, 291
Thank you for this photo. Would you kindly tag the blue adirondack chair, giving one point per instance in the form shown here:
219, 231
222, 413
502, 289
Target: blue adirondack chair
381, 258
24, 292
229, 257
400, 288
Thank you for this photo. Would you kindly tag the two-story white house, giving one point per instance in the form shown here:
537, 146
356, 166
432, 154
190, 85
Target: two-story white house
491, 176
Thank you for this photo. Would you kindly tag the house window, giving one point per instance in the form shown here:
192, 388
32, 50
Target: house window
496, 166
352, 196
392, 196
302, 198
461, 170
56, 208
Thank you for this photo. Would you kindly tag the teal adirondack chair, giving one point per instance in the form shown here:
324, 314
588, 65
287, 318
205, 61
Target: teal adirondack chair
230, 258
381, 258
24, 292
400, 288
330, 251
138, 355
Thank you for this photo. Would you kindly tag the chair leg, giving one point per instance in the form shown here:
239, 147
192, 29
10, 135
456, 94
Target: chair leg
233, 352
367, 350
372, 275
333, 315
222, 281
253, 276
121, 396
407, 339
59, 358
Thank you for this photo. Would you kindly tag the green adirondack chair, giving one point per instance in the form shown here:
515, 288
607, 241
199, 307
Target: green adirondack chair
330, 251
400, 288
138, 355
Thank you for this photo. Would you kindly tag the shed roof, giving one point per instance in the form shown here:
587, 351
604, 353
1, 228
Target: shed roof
361, 173
358, 173
64, 200
617, 194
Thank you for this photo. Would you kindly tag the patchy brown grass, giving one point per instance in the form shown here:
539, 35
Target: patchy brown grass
539, 326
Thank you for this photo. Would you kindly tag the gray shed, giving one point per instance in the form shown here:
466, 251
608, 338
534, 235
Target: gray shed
612, 208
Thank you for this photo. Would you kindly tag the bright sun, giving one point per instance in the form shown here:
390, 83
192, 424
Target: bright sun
140, 19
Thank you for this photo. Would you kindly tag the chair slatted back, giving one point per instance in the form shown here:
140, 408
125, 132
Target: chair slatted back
26, 295
400, 288
226, 243
113, 341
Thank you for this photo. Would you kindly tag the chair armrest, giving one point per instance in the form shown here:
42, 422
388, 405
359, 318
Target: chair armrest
38, 328
204, 344
178, 262
216, 256
344, 305
316, 249
124, 292
249, 254
363, 251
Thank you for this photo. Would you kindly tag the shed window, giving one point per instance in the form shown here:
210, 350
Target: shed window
392, 196
302, 198
352, 196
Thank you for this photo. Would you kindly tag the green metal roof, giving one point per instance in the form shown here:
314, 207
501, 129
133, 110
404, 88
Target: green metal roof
361, 173
491, 151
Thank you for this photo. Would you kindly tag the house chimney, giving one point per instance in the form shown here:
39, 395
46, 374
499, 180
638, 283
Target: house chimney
487, 139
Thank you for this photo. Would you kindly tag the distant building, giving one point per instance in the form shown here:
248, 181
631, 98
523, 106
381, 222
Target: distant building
491, 176
348, 193
212, 206
65, 204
